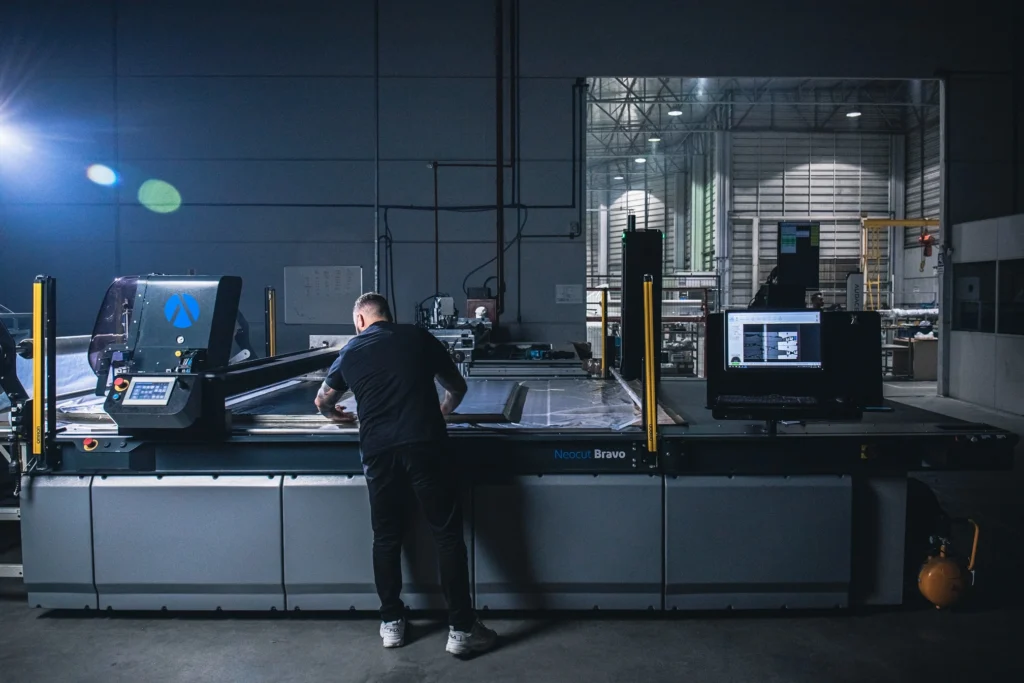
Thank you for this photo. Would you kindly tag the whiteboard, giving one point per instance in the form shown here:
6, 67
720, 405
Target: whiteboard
568, 294
321, 295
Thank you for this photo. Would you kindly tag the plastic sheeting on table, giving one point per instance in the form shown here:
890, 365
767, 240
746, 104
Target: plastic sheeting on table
74, 375
572, 404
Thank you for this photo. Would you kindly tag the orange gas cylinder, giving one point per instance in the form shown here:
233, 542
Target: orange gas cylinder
943, 580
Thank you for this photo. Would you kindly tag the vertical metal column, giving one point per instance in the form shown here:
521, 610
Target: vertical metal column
604, 331
50, 306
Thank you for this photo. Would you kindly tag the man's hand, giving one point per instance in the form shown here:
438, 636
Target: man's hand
341, 416
326, 403
448, 404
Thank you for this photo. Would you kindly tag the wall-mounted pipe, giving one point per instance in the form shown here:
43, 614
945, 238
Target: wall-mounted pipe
376, 145
499, 152
437, 238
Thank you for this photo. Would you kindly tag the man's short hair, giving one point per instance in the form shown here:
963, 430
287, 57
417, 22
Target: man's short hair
373, 304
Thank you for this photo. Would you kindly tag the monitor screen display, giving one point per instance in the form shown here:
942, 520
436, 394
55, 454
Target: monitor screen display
149, 391
773, 340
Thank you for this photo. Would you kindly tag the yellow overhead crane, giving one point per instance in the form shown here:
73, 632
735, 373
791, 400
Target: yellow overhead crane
876, 234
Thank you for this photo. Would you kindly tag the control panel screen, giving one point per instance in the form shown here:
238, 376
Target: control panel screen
147, 391
773, 340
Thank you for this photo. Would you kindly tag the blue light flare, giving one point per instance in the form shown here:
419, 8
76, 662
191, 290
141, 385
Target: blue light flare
101, 175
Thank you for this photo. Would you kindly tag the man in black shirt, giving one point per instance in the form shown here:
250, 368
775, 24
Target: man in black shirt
403, 440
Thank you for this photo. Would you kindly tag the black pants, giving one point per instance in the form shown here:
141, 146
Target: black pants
393, 477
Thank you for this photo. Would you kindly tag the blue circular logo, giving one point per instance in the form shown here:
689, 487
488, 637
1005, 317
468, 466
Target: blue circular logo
182, 310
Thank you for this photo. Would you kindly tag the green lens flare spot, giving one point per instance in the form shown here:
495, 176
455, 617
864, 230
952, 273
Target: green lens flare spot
159, 196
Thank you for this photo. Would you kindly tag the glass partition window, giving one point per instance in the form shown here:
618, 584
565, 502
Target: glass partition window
974, 297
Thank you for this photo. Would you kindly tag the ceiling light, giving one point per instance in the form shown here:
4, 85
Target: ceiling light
618, 177
675, 112
852, 114
640, 160
653, 139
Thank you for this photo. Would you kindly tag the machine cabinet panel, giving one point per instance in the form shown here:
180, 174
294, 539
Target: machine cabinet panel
328, 543
56, 542
569, 542
756, 542
188, 542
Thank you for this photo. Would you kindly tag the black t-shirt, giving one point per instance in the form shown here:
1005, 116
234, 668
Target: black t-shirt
390, 369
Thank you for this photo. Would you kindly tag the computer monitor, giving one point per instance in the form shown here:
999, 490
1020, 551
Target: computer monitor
773, 340
797, 254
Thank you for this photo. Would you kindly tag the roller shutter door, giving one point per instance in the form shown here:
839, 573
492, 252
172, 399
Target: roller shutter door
829, 177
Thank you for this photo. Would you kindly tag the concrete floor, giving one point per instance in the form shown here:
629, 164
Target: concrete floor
978, 642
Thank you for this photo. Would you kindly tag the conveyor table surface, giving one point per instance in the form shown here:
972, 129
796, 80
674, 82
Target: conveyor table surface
687, 398
554, 403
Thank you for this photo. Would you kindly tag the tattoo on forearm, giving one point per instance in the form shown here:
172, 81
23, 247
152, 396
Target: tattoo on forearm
327, 398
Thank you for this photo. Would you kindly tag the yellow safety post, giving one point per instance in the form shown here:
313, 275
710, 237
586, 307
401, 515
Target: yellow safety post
649, 366
38, 360
604, 332
271, 305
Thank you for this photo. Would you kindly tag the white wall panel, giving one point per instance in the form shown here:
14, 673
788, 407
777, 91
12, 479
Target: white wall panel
977, 241
1010, 237
971, 370
1009, 392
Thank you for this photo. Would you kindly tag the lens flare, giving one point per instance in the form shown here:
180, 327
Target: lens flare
101, 175
12, 140
159, 196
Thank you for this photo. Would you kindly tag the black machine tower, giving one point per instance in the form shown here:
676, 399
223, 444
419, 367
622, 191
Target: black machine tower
641, 255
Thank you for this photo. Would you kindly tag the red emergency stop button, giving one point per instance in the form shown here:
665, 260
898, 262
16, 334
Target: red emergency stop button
120, 384
90, 444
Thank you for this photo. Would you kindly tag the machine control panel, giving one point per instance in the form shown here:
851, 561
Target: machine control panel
149, 391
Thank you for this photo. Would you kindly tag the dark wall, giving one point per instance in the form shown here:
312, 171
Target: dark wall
261, 113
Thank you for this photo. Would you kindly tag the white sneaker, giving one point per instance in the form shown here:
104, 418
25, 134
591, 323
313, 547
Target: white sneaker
393, 633
478, 639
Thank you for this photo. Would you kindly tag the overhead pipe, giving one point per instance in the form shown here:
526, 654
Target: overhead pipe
499, 154
437, 238
376, 145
